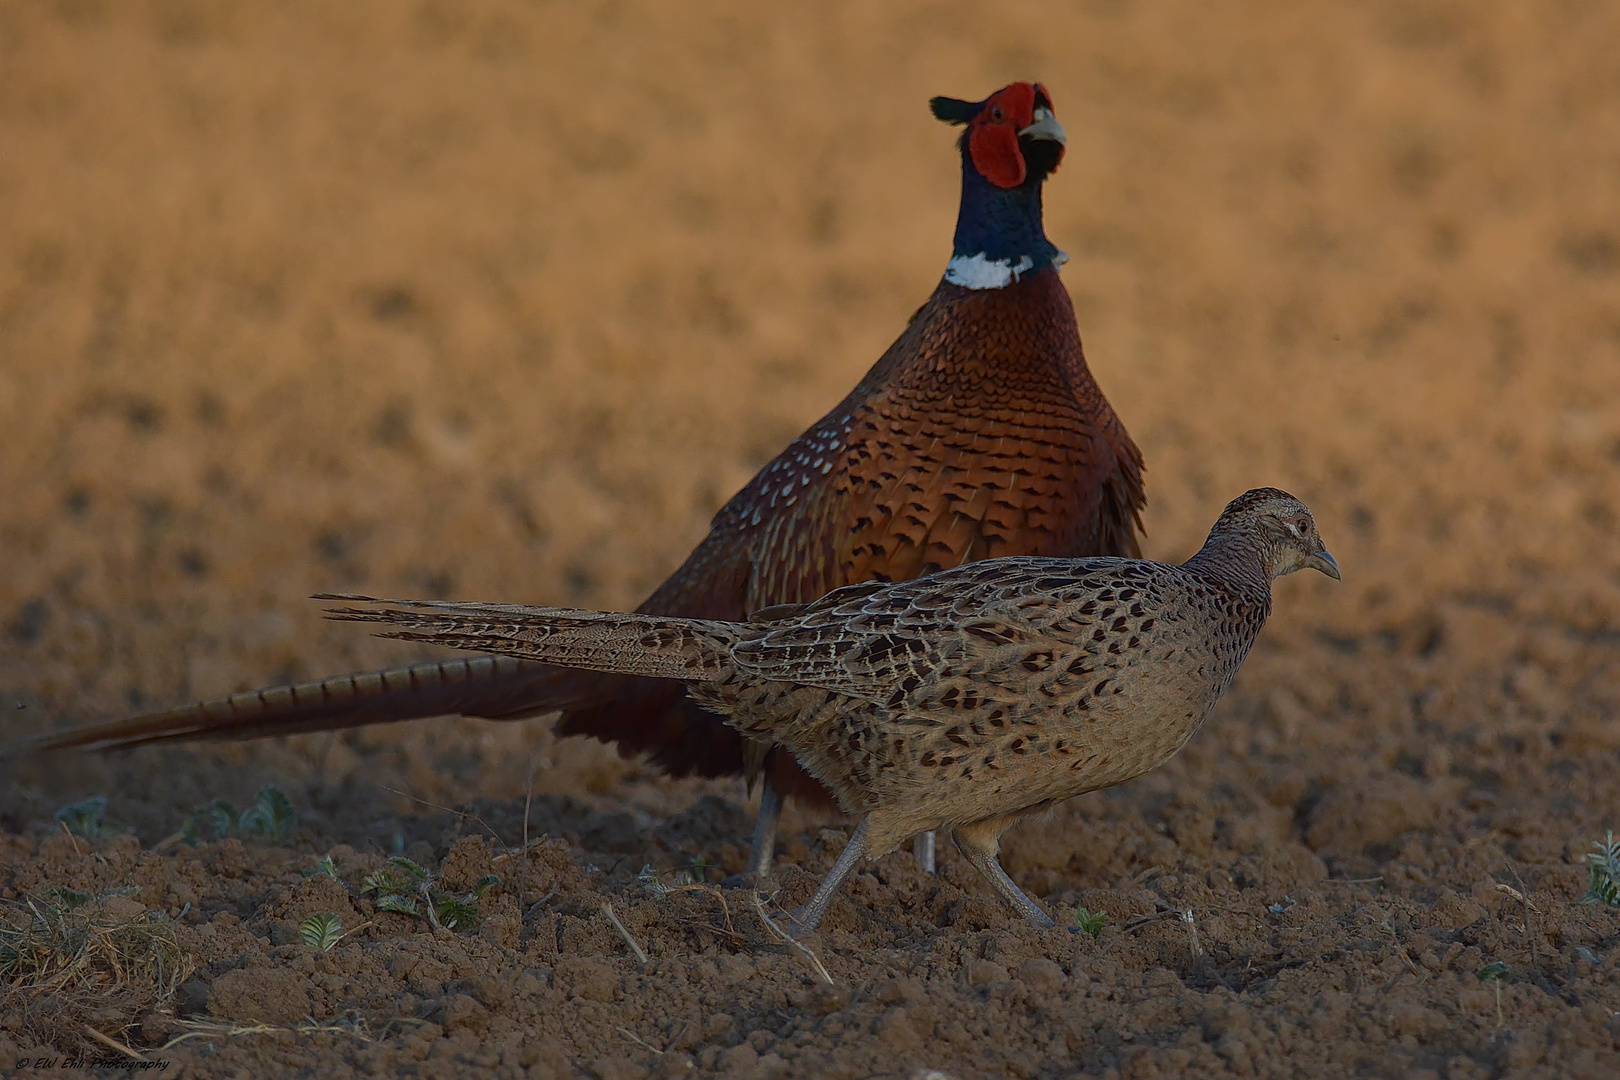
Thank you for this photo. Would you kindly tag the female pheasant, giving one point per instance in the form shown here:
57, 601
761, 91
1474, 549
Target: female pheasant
979, 433
963, 699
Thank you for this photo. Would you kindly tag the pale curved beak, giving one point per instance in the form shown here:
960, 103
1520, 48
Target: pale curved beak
1324, 562
1046, 127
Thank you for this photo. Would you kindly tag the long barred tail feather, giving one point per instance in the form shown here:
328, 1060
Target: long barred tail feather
496, 687
624, 643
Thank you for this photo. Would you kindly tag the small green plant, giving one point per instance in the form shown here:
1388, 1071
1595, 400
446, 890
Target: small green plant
407, 888
321, 931
459, 912
325, 868
1604, 885
270, 815
88, 819
1493, 973
398, 903
399, 876
1090, 922
649, 881
454, 912
220, 816
67, 899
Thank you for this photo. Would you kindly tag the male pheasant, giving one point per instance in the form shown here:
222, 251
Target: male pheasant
979, 433
963, 699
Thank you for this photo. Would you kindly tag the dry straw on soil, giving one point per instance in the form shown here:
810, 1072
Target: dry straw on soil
73, 967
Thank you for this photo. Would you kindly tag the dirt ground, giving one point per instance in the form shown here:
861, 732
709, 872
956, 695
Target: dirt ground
500, 300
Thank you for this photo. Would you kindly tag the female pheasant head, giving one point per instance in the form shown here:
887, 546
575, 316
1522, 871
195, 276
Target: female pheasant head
1282, 529
1013, 142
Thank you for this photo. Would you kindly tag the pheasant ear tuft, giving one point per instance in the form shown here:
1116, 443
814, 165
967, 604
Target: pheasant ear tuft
954, 111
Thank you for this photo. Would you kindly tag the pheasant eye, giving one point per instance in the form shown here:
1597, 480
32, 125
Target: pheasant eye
997, 114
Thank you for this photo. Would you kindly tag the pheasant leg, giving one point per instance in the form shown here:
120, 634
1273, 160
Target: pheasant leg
806, 918
922, 846
978, 843
762, 849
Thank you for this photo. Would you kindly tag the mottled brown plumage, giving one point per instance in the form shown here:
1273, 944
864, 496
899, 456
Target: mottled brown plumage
958, 700
980, 433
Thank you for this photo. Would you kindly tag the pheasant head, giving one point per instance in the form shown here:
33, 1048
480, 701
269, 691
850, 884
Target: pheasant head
1276, 528
1013, 142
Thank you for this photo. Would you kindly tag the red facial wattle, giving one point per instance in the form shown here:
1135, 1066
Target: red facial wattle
993, 134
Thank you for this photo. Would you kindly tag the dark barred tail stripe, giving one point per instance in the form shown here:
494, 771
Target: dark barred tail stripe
322, 705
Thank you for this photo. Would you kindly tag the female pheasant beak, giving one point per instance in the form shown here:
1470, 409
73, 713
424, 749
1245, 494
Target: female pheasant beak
1321, 560
1045, 126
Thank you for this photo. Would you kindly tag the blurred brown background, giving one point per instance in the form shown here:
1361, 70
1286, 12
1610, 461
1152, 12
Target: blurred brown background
500, 300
